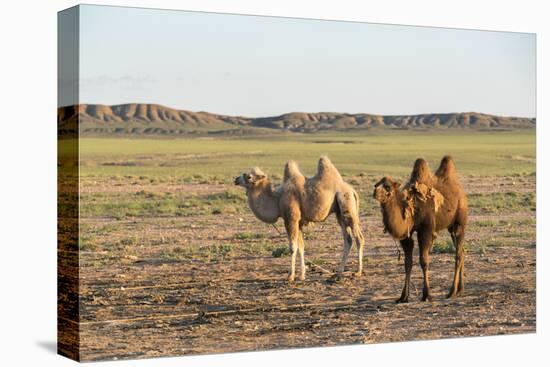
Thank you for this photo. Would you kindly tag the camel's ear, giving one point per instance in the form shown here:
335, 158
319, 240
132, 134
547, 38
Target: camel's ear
396, 184
259, 177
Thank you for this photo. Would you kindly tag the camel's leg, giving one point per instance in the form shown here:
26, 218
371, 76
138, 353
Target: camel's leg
425, 240
408, 245
301, 251
348, 219
454, 286
292, 230
360, 242
460, 290
457, 288
347, 244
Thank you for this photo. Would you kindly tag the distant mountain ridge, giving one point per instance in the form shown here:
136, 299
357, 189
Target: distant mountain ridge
154, 119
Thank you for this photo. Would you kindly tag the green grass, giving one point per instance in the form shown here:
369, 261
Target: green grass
443, 247
492, 203
127, 162
361, 157
280, 251
248, 236
165, 204
209, 253
447, 247
220, 159
483, 235
492, 223
87, 243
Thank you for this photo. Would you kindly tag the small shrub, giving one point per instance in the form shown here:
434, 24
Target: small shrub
280, 251
218, 252
86, 244
128, 241
248, 236
446, 247
482, 249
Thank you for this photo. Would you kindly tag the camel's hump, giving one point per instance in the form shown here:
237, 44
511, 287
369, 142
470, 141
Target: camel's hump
447, 167
325, 165
326, 171
421, 164
291, 170
421, 172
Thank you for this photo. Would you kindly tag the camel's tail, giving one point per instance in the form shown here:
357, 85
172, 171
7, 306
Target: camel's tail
348, 205
356, 201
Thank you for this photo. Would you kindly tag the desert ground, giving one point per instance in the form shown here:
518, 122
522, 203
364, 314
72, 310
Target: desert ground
173, 262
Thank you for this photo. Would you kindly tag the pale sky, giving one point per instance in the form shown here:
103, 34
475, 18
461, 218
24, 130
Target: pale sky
264, 66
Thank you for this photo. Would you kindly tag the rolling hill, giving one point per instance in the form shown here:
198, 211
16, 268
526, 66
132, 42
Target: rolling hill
154, 119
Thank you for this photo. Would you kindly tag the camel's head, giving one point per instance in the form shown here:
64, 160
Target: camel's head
250, 179
385, 189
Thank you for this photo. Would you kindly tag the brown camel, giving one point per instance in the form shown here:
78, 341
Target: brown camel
300, 200
426, 205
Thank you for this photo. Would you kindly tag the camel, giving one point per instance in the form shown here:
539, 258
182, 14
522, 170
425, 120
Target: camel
300, 201
426, 205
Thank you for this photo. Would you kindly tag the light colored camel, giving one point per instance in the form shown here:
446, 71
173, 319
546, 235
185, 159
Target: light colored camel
300, 200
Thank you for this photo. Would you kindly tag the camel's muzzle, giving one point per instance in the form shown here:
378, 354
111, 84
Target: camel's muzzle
238, 180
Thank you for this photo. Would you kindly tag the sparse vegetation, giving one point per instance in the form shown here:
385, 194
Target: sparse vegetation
443, 247
160, 204
170, 234
502, 202
280, 251
214, 161
209, 253
248, 236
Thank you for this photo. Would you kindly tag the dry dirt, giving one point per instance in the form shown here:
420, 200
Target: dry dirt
137, 302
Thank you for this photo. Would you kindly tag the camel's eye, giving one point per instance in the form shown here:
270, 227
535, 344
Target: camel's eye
249, 177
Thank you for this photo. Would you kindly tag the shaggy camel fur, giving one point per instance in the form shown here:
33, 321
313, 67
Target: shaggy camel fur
426, 205
300, 200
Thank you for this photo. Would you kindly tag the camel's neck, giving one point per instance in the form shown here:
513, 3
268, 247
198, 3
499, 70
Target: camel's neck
395, 221
263, 202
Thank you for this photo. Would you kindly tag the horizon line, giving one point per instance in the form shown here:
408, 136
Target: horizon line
290, 112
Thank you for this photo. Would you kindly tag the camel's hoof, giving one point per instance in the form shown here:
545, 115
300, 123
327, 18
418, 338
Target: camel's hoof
290, 279
357, 274
427, 298
302, 277
455, 293
402, 300
335, 278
